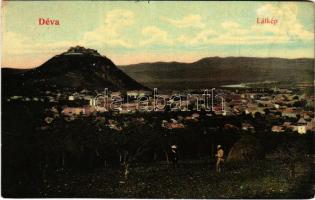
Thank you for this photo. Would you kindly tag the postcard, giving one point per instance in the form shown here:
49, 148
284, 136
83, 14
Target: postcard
157, 99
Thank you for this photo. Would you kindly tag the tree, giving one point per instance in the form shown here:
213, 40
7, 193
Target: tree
291, 151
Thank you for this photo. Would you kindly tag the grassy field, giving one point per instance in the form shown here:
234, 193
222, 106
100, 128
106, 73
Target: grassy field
261, 179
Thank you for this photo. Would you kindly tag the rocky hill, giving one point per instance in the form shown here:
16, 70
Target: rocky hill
78, 68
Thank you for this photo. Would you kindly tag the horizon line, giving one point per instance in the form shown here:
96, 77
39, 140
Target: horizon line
161, 61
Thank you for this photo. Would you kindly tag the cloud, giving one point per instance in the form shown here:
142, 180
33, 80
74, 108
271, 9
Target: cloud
288, 23
13, 43
110, 32
230, 25
202, 37
17, 44
17, 49
266, 10
192, 31
155, 35
194, 21
119, 18
287, 30
12, 46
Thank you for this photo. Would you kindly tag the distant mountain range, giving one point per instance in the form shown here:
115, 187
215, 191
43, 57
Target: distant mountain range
77, 68
217, 71
82, 68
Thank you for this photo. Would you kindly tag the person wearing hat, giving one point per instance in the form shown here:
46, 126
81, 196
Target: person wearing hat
220, 158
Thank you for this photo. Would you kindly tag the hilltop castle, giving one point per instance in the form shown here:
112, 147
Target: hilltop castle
81, 50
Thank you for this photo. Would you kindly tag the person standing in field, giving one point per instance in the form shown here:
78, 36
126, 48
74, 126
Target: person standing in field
174, 155
220, 159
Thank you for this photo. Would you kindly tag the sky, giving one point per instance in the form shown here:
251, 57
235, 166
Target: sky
135, 32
